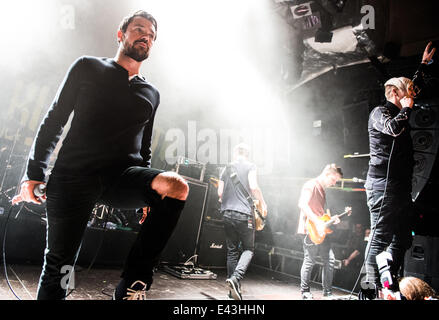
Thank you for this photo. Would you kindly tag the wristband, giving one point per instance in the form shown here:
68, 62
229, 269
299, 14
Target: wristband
427, 62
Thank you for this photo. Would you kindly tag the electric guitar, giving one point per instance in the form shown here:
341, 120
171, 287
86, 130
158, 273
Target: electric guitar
314, 235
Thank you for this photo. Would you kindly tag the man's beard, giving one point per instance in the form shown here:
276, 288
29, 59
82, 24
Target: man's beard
139, 54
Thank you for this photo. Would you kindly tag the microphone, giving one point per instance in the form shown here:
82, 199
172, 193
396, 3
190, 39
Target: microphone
355, 179
40, 190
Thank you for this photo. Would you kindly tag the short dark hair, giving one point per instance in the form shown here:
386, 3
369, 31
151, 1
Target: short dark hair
140, 13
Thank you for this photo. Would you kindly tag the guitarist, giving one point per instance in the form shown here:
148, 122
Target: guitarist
239, 222
311, 203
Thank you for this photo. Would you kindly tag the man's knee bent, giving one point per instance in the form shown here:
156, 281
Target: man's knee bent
170, 184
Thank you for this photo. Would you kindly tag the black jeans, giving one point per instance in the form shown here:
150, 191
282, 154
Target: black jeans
390, 218
240, 236
70, 202
310, 253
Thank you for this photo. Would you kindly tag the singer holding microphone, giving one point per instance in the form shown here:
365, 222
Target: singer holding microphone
389, 178
105, 158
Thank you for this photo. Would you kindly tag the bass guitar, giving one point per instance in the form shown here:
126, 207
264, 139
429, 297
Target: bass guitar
313, 233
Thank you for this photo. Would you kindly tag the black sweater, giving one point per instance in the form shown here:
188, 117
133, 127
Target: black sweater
111, 127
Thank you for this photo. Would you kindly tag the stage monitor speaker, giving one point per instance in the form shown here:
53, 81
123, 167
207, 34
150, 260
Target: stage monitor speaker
425, 117
183, 243
100, 247
212, 248
421, 171
424, 123
422, 260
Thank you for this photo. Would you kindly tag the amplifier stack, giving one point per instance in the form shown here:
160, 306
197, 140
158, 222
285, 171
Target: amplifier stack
199, 235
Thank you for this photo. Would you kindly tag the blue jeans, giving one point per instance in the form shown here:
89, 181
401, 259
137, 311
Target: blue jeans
390, 218
310, 253
70, 202
240, 236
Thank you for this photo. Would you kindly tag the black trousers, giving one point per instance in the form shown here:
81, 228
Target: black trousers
310, 253
240, 239
391, 217
70, 202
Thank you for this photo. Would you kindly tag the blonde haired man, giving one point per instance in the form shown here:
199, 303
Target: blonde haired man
389, 178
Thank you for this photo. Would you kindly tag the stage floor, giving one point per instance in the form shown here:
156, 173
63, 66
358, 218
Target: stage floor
99, 283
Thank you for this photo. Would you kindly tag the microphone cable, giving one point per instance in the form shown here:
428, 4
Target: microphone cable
5, 230
96, 254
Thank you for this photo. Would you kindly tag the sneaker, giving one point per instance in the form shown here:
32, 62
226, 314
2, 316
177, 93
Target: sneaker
235, 291
137, 291
328, 295
306, 295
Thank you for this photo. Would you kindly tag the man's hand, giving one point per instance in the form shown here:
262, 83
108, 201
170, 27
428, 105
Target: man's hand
264, 211
321, 228
407, 102
428, 55
336, 220
27, 193
145, 212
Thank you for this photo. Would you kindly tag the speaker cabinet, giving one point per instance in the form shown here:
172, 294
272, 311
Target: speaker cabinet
424, 123
213, 206
183, 243
422, 260
212, 248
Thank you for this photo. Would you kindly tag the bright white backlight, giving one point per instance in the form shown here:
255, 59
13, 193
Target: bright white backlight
215, 49
29, 23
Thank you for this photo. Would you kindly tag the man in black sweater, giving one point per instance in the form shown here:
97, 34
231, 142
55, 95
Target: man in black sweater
389, 178
105, 157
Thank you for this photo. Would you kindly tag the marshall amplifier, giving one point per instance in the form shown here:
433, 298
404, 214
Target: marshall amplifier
183, 242
212, 213
212, 247
190, 168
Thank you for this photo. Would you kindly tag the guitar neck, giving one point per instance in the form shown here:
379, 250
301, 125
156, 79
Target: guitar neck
330, 222
342, 214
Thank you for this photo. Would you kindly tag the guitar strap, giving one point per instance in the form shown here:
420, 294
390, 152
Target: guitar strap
237, 182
